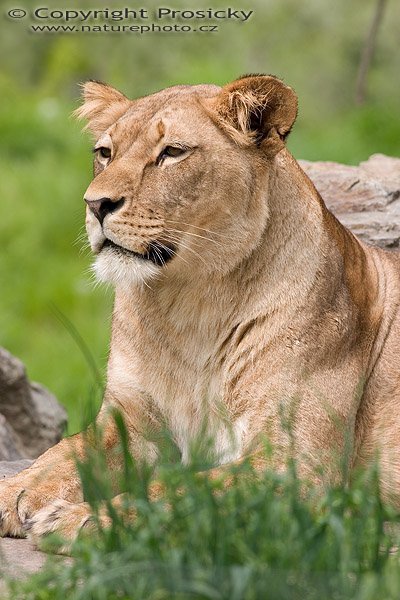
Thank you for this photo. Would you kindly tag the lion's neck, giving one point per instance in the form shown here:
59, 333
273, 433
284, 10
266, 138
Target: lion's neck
283, 267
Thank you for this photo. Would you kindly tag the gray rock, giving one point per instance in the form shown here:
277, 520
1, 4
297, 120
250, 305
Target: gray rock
8, 442
32, 420
11, 467
51, 420
18, 558
365, 198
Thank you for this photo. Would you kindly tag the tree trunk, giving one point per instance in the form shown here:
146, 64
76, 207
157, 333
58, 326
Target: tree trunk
368, 52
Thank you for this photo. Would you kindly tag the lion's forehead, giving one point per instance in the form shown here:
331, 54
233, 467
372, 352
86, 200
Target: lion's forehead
168, 104
179, 92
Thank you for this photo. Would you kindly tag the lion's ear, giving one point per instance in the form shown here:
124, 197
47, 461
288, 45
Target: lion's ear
257, 109
102, 106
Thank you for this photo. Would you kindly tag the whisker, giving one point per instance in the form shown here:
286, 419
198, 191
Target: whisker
196, 235
89, 272
159, 255
173, 252
81, 239
183, 245
85, 250
196, 227
81, 233
146, 284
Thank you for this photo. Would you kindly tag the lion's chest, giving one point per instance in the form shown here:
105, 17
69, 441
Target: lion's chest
182, 383
189, 396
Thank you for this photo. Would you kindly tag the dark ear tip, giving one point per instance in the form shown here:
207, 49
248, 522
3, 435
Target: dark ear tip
256, 75
98, 81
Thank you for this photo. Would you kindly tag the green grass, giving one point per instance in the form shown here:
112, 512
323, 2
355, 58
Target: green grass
46, 167
263, 538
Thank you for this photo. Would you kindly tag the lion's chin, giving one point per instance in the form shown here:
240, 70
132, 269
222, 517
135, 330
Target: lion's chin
123, 270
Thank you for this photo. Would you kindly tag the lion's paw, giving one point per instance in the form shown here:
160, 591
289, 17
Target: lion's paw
18, 501
62, 518
11, 516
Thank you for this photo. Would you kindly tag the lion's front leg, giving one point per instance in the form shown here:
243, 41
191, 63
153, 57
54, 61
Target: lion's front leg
47, 497
53, 475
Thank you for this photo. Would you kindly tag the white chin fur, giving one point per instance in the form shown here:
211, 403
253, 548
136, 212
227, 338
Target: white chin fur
123, 271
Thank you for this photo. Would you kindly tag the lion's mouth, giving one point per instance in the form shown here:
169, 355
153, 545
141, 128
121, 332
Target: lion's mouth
159, 253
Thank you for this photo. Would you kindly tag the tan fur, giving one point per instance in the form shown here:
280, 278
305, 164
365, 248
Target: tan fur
269, 313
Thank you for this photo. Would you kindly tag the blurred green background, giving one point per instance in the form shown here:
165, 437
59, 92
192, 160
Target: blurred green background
314, 46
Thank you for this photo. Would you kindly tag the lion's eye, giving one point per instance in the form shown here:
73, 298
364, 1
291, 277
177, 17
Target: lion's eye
104, 152
171, 151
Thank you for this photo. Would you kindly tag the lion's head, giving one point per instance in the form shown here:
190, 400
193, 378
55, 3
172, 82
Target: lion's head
180, 176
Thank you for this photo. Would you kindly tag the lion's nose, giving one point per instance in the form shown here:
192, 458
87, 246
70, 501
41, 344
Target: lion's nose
102, 207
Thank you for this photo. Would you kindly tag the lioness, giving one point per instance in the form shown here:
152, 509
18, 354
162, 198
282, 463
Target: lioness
237, 295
